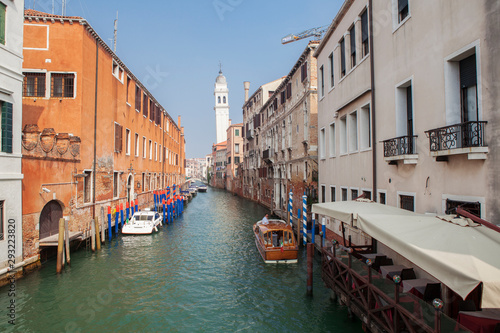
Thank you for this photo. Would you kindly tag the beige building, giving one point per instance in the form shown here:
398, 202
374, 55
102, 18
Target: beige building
283, 156
251, 126
422, 137
234, 156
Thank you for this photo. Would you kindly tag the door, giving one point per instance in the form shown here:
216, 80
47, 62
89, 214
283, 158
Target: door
49, 219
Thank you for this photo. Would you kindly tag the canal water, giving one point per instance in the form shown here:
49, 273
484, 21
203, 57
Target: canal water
202, 273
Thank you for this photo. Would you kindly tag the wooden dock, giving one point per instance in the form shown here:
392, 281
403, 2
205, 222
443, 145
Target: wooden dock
52, 240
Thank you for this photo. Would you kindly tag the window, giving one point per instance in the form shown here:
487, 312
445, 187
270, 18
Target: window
332, 72
303, 72
365, 48
236, 132
2, 23
354, 194
322, 78
365, 128
224, 99
407, 202
331, 141
150, 149
323, 193
87, 188
229, 160
353, 132
116, 182
305, 170
404, 111
151, 110
144, 148
117, 71
128, 87
6, 126
143, 182
2, 203
218, 99
468, 89
237, 148
118, 138
403, 10
138, 95
471, 207
34, 85
127, 141
342, 57
368, 195
344, 194
62, 85
288, 90
136, 144
236, 160
352, 33
332, 193
156, 151
381, 198
159, 151
343, 135
145, 105
322, 144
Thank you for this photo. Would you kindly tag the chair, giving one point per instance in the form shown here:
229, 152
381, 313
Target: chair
432, 291
378, 262
467, 305
497, 328
407, 274
387, 262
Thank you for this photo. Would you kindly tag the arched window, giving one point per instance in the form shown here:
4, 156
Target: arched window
224, 99
218, 99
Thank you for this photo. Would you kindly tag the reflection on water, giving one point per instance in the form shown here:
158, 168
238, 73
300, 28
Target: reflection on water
201, 274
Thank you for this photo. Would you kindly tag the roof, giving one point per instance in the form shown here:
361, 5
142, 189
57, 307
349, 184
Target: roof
456, 251
34, 13
274, 225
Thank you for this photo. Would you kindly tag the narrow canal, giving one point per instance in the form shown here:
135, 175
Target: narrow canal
201, 274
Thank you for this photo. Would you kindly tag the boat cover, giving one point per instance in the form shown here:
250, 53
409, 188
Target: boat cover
455, 250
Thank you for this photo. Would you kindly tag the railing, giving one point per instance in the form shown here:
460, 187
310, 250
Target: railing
464, 135
403, 145
380, 300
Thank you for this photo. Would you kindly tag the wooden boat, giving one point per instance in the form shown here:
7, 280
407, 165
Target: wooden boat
276, 242
202, 188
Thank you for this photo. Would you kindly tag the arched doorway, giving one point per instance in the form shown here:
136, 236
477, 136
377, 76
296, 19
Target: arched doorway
49, 219
130, 187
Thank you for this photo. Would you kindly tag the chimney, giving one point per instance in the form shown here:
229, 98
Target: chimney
246, 85
179, 121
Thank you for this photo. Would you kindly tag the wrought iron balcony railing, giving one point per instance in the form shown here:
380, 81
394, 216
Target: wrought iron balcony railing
464, 135
403, 145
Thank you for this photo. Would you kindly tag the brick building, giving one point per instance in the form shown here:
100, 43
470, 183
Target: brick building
93, 134
234, 156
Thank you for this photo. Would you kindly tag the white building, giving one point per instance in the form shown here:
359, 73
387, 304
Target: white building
11, 85
221, 107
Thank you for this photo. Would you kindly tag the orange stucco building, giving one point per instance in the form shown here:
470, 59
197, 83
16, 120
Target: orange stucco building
82, 104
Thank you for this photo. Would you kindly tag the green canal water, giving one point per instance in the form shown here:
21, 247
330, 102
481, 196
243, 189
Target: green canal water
202, 273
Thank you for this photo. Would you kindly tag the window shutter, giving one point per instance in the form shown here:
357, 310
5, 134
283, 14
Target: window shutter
364, 26
2, 23
353, 40
275, 104
468, 74
6, 127
342, 55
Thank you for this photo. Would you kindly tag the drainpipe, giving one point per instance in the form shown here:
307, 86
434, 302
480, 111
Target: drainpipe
372, 75
95, 127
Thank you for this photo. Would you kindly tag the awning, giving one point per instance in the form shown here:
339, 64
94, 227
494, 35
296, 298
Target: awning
459, 253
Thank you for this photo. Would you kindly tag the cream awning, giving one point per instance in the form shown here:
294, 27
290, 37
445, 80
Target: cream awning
456, 251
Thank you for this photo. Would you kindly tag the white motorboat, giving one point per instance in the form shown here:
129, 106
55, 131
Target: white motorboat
143, 223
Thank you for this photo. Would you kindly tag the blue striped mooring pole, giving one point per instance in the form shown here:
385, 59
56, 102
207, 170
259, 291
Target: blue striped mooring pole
290, 207
304, 218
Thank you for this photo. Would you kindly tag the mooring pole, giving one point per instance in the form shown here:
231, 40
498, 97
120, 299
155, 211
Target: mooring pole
109, 223
66, 236
121, 213
310, 257
92, 235
117, 213
304, 218
97, 235
60, 248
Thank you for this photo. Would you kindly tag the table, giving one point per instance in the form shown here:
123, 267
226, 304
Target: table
416, 284
480, 321
372, 256
390, 271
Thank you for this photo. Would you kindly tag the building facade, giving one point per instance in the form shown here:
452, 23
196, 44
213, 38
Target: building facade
11, 78
221, 94
422, 136
218, 178
285, 134
234, 157
94, 136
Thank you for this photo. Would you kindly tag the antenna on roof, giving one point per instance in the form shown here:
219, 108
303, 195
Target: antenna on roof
53, 7
63, 7
115, 33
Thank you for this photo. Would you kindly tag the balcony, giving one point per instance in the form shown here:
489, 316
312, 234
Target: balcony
267, 155
465, 138
402, 148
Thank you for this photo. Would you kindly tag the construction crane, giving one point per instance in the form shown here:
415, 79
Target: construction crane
314, 32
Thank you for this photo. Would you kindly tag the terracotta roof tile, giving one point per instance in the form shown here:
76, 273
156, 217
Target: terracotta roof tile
36, 13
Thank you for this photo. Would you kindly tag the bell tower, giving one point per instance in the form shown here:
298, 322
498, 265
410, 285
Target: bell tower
221, 107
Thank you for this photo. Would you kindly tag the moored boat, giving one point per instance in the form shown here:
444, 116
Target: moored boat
202, 188
276, 242
142, 223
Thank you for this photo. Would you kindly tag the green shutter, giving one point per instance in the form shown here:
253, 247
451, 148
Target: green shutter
6, 127
2, 23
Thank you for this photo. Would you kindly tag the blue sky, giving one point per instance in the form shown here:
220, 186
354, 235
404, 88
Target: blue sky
174, 48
